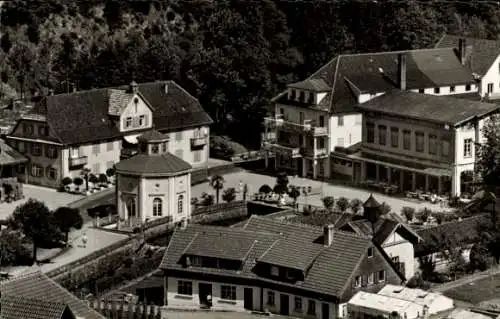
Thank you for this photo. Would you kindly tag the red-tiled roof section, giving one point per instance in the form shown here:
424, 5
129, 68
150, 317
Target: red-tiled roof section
36, 285
23, 308
153, 164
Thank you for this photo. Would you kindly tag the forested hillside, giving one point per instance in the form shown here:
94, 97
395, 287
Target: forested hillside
232, 55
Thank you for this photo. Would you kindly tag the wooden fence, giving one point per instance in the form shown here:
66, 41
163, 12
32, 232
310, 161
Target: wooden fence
119, 310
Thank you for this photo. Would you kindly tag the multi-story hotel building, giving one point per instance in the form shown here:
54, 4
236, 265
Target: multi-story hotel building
314, 117
97, 128
419, 141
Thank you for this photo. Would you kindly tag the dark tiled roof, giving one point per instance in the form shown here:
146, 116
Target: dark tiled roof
480, 53
329, 273
153, 164
82, 117
8, 155
315, 85
468, 96
36, 285
288, 253
152, 136
383, 228
23, 308
221, 244
426, 68
463, 231
442, 109
371, 202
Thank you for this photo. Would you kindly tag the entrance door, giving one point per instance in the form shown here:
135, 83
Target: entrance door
248, 298
205, 290
325, 311
284, 305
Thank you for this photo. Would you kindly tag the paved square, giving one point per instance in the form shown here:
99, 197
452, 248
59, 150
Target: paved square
51, 197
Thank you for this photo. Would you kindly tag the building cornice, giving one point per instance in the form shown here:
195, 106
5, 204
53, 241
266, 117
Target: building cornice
34, 140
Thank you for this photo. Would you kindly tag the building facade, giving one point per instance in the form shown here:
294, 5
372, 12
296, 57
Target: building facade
313, 118
153, 183
269, 265
419, 142
95, 129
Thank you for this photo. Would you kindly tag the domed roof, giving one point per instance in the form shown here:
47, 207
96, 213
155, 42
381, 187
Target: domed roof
143, 164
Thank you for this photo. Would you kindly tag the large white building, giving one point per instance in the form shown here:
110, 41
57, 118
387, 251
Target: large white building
96, 128
315, 117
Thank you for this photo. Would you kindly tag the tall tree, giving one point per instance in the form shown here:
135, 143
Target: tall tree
36, 221
67, 218
488, 163
217, 183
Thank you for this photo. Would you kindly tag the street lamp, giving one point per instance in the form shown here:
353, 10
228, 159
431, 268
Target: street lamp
85, 173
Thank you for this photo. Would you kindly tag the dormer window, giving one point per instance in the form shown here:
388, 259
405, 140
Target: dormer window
302, 96
275, 271
310, 100
196, 261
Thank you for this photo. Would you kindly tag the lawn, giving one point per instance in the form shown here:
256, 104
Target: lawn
477, 291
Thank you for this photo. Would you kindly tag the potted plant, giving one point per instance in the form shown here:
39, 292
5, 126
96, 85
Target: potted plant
78, 181
94, 180
110, 172
66, 182
103, 180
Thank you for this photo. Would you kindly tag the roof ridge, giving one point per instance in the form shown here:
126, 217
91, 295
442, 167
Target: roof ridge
234, 229
455, 221
285, 222
393, 52
332, 92
83, 91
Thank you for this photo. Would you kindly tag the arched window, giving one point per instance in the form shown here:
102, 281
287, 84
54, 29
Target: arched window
157, 207
180, 204
131, 207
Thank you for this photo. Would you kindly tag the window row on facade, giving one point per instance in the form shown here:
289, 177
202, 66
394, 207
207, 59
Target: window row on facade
37, 170
419, 139
135, 121
96, 149
437, 90
371, 279
36, 149
157, 206
30, 129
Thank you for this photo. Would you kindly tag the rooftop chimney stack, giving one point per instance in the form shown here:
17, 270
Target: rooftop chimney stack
402, 71
462, 45
328, 232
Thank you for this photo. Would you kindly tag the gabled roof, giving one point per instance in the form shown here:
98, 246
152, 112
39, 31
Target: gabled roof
152, 136
480, 53
23, 308
84, 116
330, 270
350, 74
383, 228
371, 202
415, 295
314, 85
9, 156
167, 164
36, 285
464, 231
438, 109
234, 246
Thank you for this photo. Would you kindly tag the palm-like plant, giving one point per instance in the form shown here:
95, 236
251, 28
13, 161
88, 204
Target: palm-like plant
217, 183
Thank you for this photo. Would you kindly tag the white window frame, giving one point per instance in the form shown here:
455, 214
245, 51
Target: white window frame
157, 206
228, 292
370, 252
340, 120
371, 279
381, 276
36, 170
271, 298
142, 120
51, 170
185, 287
297, 304
468, 147
38, 147
180, 204
128, 122
489, 88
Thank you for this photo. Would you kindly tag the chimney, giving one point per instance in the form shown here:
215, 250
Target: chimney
133, 87
328, 232
462, 45
402, 71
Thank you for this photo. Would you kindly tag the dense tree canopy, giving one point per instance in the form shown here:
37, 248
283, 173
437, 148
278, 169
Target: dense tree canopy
232, 55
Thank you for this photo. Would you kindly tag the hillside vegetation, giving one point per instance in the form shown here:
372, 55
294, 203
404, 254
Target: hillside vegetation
232, 55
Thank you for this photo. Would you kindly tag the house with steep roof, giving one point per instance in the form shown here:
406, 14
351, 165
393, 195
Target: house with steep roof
34, 295
276, 266
481, 57
153, 183
318, 115
420, 142
96, 128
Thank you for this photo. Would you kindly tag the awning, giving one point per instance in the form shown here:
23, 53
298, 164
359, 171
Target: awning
132, 139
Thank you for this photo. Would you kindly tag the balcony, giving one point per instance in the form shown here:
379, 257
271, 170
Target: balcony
307, 126
290, 151
314, 153
78, 161
269, 137
199, 141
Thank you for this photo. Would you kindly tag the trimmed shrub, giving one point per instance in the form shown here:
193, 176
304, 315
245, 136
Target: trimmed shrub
342, 204
328, 202
67, 180
408, 213
266, 189
103, 178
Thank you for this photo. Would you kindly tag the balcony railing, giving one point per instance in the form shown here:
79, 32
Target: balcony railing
306, 127
269, 137
314, 153
199, 141
290, 151
78, 161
